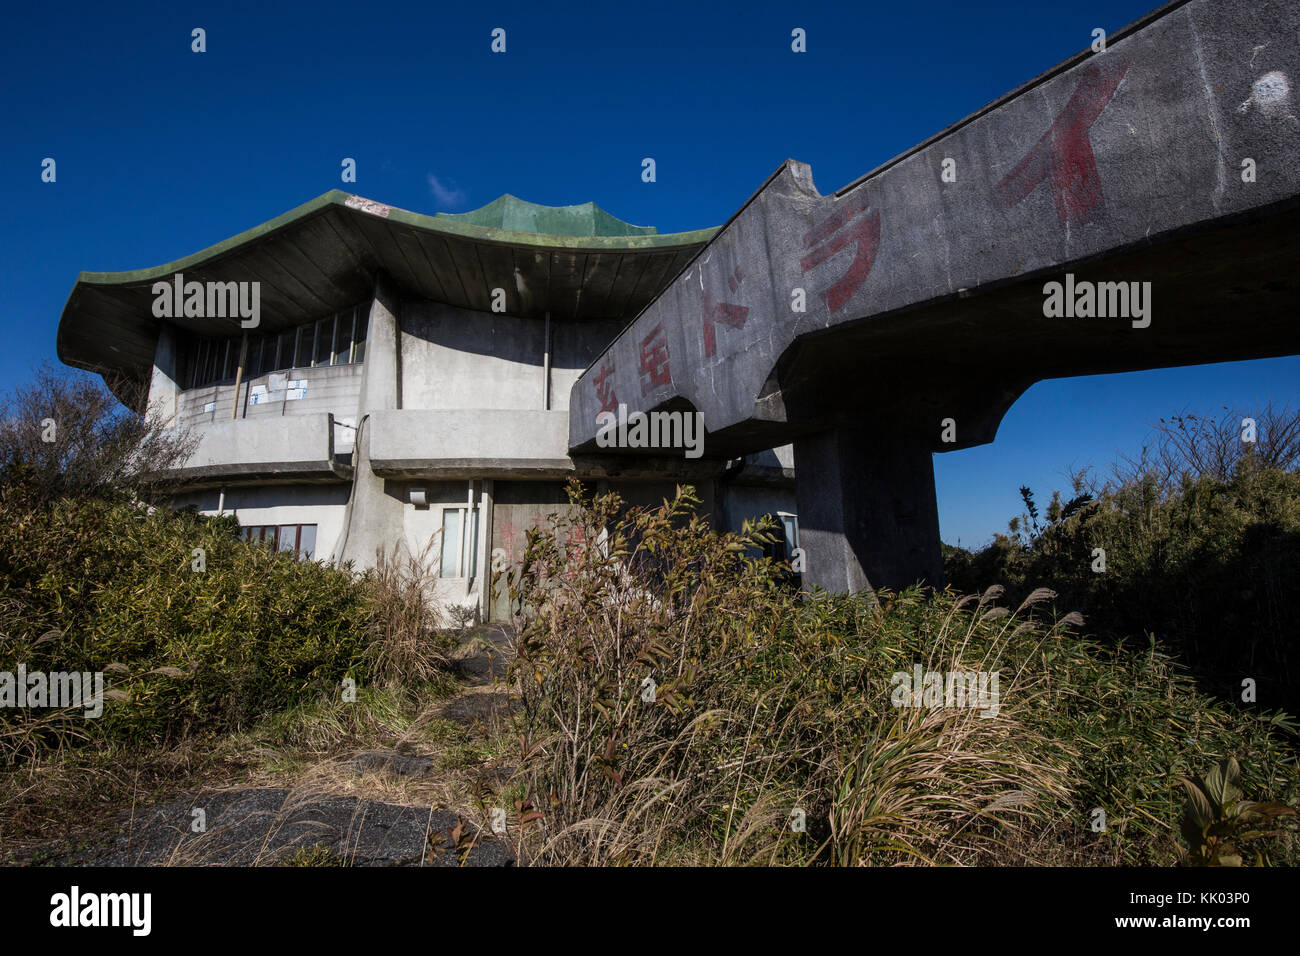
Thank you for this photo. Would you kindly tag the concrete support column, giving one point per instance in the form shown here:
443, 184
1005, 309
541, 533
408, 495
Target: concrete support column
381, 375
867, 511
164, 389
375, 519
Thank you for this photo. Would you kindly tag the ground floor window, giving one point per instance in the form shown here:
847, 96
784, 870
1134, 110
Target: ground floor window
786, 533
459, 542
297, 538
790, 526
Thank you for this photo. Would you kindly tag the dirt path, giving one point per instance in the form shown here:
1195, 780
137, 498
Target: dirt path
380, 806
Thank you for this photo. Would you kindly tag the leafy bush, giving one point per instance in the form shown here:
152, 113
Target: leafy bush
680, 705
92, 579
1218, 822
1207, 564
97, 586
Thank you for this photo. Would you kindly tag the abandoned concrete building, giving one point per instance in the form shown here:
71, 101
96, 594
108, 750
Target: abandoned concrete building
395, 379
401, 377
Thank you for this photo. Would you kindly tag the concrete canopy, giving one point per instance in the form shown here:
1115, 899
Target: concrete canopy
324, 256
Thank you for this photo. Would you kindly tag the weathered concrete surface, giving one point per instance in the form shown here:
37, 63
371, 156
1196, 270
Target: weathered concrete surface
164, 392
515, 443
1112, 154
267, 826
924, 298
469, 442
374, 519
296, 447
868, 518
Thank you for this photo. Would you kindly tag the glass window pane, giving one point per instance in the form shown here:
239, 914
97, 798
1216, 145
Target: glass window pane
324, 333
450, 542
307, 542
359, 335
284, 351
471, 553
196, 365
303, 350
253, 367
343, 339
790, 524
288, 537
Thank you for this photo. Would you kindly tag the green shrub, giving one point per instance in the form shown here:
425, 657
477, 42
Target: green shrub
1206, 564
92, 579
90, 585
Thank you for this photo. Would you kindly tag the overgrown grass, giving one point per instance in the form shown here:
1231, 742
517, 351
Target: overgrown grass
682, 706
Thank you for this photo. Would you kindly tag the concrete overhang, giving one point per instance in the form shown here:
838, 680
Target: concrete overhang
297, 448
503, 443
325, 255
469, 442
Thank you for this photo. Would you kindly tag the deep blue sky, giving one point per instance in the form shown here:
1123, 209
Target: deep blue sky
162, 152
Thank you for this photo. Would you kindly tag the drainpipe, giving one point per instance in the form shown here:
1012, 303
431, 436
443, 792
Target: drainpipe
468, 563
485, 550
239, 376
546, 366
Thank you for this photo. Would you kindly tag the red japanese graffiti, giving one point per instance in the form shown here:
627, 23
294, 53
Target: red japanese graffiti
575, 546
727, 313
654, 361
857, 225
605, 389
505, 533
1063, 156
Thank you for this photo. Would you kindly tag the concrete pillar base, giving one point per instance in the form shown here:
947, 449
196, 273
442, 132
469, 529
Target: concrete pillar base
867, 511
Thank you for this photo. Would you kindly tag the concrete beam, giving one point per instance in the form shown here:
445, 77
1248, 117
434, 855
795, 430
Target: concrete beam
1125, 165
1166, 167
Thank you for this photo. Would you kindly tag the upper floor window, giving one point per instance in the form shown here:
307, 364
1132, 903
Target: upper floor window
339, 339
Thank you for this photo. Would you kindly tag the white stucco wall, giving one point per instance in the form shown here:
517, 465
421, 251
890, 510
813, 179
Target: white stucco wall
321, 505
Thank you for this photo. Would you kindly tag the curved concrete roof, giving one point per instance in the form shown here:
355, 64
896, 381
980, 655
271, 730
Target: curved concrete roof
520, 215
324, 256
